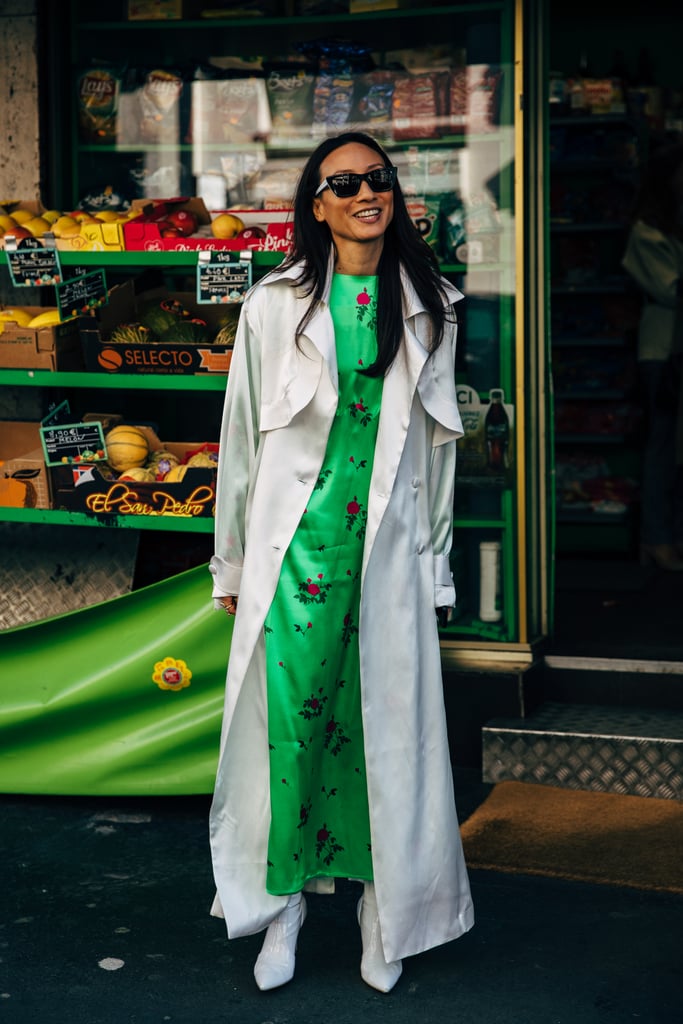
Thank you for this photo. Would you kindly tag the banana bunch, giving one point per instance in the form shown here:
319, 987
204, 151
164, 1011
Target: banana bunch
27, 317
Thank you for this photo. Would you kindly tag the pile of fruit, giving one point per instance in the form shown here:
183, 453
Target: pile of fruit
168, 321
22, 222
129, 457
26, 317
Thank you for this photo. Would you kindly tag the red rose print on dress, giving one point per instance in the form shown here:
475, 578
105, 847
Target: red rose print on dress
313, 705
359, 411
326, 845
361, 464
335, 737
356, 517
313, 591
366, 310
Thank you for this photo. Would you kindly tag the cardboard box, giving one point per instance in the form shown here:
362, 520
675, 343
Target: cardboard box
103, 356
24, 481
105, 237
87, 489
54, 347
143, 232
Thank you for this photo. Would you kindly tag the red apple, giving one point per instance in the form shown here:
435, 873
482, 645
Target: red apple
252, 233
183, 220
19, 232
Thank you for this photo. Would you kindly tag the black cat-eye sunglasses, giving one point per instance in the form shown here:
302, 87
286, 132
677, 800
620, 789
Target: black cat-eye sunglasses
345, 185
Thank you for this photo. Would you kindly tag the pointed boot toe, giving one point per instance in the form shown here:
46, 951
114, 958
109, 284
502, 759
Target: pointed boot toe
374, 968
276, 961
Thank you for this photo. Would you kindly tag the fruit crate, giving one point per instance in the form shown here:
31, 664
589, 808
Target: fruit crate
101, 355
152, 231
52, 347
88, 488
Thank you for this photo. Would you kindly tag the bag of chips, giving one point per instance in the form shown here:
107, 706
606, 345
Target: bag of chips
97, 92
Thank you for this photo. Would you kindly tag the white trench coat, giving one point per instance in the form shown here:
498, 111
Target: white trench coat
279, 407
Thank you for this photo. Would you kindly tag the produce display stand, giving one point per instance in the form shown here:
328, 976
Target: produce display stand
465, 181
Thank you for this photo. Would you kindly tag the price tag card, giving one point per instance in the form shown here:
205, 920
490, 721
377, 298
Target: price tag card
32, 263
78, 295
221, 278
60, 413
73, 442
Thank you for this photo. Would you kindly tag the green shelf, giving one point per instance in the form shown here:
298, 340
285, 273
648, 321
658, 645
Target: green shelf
175, 524
129, 381
141, 258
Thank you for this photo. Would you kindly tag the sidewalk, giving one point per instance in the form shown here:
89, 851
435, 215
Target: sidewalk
89, 879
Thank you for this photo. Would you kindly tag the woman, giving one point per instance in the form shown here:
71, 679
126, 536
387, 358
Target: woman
334, 513
654, 258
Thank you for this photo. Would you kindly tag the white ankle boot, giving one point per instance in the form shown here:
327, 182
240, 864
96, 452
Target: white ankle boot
374, 969
275, 963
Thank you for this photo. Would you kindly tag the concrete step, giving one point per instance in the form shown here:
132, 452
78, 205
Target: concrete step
632, 750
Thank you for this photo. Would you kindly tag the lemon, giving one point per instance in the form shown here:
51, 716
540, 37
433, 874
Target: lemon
108, 216
21, 216
17, 315
51, 215
226, 225
7, 222
38, 226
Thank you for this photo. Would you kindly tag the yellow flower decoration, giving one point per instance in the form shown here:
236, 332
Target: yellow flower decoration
171, 674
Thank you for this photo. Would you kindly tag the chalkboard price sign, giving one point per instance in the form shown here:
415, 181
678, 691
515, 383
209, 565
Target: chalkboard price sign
73, 442
31, 263
78, 295
222, 279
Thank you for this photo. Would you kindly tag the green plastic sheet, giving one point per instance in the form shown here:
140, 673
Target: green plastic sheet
120, 698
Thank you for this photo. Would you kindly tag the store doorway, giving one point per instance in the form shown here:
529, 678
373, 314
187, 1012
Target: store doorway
616, 92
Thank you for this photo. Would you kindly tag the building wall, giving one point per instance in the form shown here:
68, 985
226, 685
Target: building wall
19, 118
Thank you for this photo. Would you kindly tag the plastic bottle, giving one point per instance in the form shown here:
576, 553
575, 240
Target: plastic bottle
497, 431
489, 581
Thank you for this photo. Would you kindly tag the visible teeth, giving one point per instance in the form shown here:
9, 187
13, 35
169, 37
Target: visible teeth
367, 213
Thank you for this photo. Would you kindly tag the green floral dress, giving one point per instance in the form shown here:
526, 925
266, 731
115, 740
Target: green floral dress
319, 803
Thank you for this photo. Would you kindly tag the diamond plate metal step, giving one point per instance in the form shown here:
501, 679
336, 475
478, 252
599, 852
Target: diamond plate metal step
637, 751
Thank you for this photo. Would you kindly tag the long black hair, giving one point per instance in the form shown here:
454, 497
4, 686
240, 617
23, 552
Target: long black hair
403, 245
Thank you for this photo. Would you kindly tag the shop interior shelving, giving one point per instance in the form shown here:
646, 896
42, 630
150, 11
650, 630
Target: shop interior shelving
80, 33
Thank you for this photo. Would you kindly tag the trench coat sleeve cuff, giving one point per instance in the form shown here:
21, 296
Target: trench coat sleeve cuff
226, 578
444, 589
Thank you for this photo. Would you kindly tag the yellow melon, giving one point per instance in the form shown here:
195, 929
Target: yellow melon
175, 474
140, 474
126, 447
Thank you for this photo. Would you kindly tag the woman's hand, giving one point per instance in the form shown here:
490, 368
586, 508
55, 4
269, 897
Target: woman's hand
229, 603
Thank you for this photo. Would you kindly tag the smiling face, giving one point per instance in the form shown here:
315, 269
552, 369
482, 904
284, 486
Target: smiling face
361, 220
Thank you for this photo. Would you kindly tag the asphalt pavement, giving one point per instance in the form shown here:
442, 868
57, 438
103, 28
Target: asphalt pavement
104, 919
